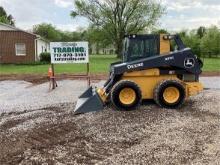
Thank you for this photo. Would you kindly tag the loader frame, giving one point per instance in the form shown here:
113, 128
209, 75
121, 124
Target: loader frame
170, 64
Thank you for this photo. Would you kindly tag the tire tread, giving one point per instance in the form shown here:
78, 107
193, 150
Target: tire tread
121, 83
156, 94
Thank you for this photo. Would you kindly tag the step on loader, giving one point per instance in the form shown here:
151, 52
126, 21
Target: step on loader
158, 67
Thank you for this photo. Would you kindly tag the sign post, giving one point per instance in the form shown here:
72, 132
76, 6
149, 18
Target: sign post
70, 52
53, 77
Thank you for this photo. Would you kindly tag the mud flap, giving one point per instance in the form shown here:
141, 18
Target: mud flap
89, 101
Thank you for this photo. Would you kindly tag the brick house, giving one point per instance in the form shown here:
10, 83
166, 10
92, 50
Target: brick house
19, 46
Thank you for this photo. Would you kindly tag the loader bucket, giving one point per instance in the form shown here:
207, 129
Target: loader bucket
89, 101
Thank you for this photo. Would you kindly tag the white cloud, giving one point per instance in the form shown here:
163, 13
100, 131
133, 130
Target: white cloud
26, 11
64, 3
68, 27
180, 13
179, 24
189, 14
31, 12
182, 5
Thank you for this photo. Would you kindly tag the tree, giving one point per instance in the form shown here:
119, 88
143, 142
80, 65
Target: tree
5, 18
201, 31
47, 31
183, 33
98, 38
210, 43
119, 17
160, 31
192, 40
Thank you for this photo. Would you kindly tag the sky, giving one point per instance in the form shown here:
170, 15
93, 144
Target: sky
180, 14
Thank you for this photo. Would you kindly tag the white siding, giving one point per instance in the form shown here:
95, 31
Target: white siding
42, 46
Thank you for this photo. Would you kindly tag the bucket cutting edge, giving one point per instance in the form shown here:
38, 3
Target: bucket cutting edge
89, 101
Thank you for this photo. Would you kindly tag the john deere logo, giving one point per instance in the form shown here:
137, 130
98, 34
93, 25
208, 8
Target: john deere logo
189, 62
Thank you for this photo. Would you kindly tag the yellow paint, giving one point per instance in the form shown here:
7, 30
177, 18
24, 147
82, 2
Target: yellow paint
171, 95
193, 88
127, 96
164, 45
102, 94
147, 80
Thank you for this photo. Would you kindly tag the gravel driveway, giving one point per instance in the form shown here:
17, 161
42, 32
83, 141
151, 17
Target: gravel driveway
18, 96
38, 127
21, 95
211, 82
150, 135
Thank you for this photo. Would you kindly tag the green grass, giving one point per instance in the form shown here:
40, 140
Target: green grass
211, 64
98, 64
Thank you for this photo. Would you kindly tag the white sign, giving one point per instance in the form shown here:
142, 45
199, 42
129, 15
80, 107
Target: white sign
69, 52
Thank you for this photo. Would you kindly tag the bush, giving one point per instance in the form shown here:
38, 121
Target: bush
45, 57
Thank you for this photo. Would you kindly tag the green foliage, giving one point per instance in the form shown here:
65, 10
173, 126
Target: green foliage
210, 43
201, 31
160, 31
45, 57
47, 31
5, 18
98, 38
203, 41
192, 40
51, 33
117, 18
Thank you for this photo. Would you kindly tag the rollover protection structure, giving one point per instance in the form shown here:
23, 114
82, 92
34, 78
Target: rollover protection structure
157, 67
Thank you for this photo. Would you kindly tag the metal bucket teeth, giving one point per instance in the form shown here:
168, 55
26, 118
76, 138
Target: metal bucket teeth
89, 101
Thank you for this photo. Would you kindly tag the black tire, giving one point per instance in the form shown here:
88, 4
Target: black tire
118, 87
159, 91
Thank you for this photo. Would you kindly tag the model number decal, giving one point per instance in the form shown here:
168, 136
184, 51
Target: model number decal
135, 65
169, 58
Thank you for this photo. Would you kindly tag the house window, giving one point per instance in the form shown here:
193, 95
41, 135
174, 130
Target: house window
20, 49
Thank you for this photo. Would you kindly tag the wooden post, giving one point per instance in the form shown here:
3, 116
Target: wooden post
88, 75
53, 77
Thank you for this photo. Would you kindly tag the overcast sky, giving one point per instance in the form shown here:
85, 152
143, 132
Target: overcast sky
181, 14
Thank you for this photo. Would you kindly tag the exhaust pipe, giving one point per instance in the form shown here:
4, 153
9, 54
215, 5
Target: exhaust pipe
90, 101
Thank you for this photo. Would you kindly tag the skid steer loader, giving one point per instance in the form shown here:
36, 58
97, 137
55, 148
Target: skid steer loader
150, 69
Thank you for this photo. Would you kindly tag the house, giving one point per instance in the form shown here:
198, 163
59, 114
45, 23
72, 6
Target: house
19, 46
102, 50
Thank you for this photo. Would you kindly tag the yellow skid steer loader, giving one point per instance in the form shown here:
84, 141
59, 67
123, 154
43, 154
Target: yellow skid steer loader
149, 70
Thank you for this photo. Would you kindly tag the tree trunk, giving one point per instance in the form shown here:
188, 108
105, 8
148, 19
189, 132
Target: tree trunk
97, 48
119, 47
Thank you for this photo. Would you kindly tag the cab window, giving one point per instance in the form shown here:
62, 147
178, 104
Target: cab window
142, 48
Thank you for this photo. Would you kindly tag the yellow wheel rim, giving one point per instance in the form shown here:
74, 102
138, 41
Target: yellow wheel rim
171, 95
127, 96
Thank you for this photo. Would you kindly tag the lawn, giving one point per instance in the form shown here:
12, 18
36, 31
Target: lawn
211, 64
98, 64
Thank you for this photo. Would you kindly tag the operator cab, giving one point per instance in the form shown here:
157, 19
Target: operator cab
144, 46
140, 46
